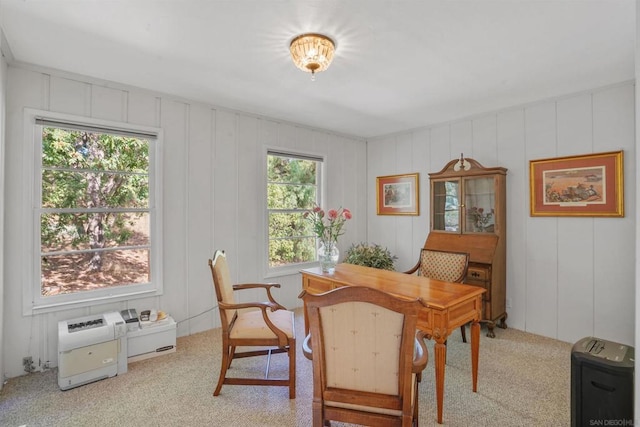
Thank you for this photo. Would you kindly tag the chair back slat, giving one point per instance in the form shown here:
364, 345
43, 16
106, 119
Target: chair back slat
441, 265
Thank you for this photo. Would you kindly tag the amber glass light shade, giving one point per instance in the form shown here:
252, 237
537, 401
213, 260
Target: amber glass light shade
311, 52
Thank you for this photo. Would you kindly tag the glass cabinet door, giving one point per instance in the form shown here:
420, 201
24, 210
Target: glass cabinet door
446, 205
479, 205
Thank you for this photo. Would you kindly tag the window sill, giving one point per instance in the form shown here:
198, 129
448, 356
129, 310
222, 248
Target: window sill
289, 270
41, 308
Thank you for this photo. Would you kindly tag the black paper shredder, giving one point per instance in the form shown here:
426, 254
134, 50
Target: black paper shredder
601, 383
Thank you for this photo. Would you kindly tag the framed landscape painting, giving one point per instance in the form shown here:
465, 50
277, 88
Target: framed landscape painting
398, 195
586, 185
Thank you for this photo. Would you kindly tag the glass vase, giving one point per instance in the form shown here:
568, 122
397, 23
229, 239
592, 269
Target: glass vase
328, 255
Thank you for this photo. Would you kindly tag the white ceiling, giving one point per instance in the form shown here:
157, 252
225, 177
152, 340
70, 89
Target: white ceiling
399, 64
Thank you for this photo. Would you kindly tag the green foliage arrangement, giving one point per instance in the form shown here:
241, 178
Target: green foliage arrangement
370, 255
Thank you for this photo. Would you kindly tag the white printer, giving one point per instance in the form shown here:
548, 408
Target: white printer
91, 348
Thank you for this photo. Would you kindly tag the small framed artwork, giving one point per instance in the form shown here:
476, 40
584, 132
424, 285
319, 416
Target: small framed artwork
398, 194
587, 185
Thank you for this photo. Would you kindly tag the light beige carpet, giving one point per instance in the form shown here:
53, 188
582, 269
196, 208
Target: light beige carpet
524, 380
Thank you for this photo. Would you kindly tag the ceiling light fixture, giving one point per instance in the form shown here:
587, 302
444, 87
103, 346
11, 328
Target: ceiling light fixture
312, 52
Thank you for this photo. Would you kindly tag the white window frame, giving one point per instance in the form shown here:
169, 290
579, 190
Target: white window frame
33, 301
320, 196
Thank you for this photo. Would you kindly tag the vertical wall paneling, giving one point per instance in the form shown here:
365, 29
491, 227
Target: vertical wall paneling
511, 151
542, 233
250, 171
360, 180
420, 224
636, 192
69, 96
334, 178
174, 121
542, 258
377, 157
3, 103
440, 148
485, 140
199, 288
143, 109
213, 190
212, 207
575, 125
288, 135
226, 189
613, 129
461, 139
268, 137
404, 229
567, 277
575, 236
108, 104
349, 186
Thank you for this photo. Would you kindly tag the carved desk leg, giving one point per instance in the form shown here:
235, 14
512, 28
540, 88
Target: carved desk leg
440, 350
475, 350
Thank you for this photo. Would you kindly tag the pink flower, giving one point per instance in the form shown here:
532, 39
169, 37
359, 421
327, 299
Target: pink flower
327, 231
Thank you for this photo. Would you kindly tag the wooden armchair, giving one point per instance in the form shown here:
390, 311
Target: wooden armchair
443, 265
268, 325
366, 357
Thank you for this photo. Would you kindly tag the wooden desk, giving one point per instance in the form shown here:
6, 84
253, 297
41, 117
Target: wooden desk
447, 306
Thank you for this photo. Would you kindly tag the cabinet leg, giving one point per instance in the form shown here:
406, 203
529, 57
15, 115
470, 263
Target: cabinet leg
503, 322
490, 326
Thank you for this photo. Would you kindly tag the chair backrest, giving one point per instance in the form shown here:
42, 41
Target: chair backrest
223, 285
442, 265
363, 348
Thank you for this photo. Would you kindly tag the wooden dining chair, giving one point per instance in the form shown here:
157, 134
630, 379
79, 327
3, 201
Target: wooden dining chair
366, 355
264, 324
443, 265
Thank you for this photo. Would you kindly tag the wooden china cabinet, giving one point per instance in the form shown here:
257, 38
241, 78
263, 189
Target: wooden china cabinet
468, 214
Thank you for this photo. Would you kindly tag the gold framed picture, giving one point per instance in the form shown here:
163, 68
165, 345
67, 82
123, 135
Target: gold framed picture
398, 194
586, 185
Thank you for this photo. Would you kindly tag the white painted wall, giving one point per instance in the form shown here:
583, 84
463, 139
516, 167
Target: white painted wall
567, 278
213, 182
637, 234
3, 91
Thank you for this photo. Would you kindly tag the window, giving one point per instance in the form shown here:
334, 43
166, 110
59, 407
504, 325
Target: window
94, 213
292, 189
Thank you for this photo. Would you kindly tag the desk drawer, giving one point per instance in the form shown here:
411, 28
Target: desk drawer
478, 274
317, 286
